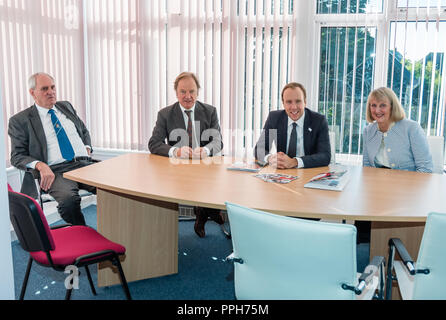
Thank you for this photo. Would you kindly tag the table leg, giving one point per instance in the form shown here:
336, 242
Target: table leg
147, 228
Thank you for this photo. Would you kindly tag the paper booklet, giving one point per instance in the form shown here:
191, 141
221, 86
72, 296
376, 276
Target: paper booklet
276, 177
333, 180
245, 166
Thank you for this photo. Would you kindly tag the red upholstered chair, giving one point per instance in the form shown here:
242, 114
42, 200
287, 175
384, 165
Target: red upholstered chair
60, 246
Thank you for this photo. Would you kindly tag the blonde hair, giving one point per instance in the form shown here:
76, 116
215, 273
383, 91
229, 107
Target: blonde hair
396, 110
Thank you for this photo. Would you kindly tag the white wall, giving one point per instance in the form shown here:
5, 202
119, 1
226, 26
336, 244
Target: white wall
6, 269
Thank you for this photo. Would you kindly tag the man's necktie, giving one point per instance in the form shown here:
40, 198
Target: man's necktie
189, 127
293, 142
64, 143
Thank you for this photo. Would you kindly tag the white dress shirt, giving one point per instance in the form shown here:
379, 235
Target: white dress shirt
300, 140
54, 154
381, 158
186, 120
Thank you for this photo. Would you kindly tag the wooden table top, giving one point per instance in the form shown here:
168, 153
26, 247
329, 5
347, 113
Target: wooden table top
371, 194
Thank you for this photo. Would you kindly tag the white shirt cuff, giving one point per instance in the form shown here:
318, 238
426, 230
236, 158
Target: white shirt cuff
171, 152
300, 163
32, 165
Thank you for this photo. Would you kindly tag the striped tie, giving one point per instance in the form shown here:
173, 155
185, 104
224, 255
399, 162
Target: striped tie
189, 127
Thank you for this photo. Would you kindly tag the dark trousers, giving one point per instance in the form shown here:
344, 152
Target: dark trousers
66, 192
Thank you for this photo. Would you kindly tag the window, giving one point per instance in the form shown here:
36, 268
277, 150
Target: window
347, 62
349, 6
416, 71
421, 3
400, 46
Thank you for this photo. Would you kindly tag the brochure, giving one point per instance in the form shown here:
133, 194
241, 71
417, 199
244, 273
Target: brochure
244, 166
276, 177
333, 180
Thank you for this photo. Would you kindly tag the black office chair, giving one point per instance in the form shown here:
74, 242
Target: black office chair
60, 246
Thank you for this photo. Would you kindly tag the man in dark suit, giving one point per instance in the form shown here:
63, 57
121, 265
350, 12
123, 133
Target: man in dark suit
188, 129
300, 135
50, 138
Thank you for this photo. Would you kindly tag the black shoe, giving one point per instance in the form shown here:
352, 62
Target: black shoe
217, 217
200, 221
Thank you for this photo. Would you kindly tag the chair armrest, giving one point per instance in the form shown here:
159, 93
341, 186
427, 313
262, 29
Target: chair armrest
372, 268
405, 256
233, 258
61, 226
35, 173
375, 266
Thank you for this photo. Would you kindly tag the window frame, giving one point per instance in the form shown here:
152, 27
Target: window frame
382, 22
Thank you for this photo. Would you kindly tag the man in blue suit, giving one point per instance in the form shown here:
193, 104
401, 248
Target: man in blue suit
300, 135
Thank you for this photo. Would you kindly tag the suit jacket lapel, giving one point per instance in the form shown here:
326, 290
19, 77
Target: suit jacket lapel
282, 132
308, 131
199, 117
70, 115
36, 123
178, 117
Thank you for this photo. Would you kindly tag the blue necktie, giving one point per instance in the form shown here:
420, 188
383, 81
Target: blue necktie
64, 143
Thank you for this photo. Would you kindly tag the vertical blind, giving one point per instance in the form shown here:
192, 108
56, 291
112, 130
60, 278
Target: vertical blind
241, 52
116, 61
36, 36
417, 66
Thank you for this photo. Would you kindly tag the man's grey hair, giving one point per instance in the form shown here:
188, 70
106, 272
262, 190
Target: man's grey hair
33, 79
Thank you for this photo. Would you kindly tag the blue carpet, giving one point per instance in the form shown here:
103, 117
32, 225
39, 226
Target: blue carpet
202, 272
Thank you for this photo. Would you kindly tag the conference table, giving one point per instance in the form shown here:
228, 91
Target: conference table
138, 197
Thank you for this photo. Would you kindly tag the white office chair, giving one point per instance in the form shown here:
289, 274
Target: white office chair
436, 145
425, 279
277, 257
332, 136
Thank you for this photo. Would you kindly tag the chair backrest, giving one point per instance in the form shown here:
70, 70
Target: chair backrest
436, 145
290, 258
432, 255
29, 223
332, 136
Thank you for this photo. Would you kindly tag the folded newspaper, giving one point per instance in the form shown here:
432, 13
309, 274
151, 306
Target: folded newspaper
333, 180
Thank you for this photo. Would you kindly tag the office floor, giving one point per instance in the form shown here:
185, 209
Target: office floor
203, 274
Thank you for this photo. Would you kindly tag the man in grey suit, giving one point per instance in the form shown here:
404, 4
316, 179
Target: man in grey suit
188, 129
50, 138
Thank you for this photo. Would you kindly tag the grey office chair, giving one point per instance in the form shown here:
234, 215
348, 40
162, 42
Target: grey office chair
277, 257
424, 279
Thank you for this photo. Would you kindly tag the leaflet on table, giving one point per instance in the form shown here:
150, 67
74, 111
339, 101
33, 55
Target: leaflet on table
333, 180
245, 166
276, 177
